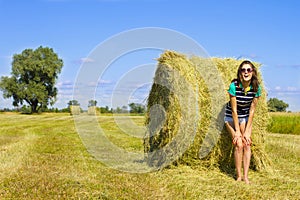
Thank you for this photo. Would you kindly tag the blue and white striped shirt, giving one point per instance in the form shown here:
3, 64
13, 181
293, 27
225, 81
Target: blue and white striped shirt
243, 99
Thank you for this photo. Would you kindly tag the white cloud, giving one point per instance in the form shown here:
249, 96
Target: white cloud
289, 65
84, 60
282, 90
104, 92
105, 81
277, 88
292, 89
87, 60
247, 56
5, 103
65, 84
289, 94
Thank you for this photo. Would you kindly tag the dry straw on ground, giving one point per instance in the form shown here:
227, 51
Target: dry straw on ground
177, 90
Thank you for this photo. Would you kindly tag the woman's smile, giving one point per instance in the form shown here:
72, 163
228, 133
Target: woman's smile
247, 77
246, 72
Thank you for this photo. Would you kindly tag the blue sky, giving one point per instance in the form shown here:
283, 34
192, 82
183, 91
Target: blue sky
263, 31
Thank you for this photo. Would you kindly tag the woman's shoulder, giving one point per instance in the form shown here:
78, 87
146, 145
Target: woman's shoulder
234, 82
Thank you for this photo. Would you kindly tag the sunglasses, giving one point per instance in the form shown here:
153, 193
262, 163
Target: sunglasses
246, 69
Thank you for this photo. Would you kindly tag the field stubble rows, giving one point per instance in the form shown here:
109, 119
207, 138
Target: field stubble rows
42, 157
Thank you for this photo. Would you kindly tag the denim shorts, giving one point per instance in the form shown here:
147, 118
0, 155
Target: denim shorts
241, 119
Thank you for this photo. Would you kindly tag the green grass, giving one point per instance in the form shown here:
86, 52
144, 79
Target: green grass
286, 123
42, 157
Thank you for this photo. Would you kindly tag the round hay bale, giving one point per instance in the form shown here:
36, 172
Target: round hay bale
75, 110
92, 110
176, 132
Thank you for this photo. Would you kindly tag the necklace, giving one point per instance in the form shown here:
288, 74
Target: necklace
246, 90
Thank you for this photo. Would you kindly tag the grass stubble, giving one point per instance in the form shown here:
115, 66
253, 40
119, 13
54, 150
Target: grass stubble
42, 157
285, 123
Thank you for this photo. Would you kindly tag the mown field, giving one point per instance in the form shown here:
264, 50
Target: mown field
42, 157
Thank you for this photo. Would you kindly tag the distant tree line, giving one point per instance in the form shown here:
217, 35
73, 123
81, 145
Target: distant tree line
274, 105
134, 108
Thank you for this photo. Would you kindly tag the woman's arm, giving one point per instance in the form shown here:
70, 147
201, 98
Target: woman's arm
235, 119
248, 130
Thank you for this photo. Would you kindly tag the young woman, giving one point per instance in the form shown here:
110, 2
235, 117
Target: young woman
244, 93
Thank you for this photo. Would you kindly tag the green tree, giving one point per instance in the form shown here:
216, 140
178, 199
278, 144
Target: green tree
92, 103
73, 103
33, 77
137, 108
105, 110
276, 105
117, 110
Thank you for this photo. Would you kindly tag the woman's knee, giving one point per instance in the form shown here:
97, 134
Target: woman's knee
239, 145
247, 148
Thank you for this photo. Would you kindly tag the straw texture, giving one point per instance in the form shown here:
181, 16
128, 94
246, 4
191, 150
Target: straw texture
181, 109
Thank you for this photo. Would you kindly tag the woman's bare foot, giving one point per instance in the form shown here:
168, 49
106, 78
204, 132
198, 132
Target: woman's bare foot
246, 180
239, 179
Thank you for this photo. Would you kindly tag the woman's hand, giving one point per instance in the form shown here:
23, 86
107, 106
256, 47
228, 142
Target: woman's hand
247, 137
247, 140
236, 137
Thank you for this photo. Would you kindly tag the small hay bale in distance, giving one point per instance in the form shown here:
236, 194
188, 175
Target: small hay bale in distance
74, 110
92, 110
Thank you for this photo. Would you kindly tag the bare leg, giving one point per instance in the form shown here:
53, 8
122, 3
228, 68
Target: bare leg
246, 160
246, 155
238, 156
238, 152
